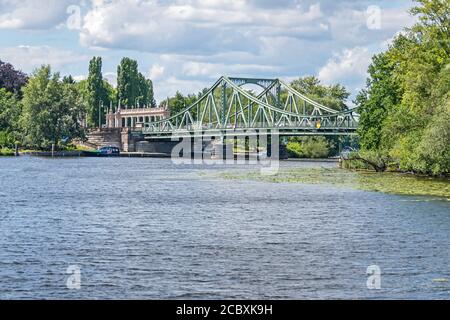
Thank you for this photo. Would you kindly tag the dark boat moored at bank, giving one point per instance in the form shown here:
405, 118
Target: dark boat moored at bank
103, 152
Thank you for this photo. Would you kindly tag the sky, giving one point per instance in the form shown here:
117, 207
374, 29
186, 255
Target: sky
185, 45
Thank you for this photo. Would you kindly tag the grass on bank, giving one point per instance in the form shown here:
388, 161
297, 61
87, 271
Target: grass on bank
394, 183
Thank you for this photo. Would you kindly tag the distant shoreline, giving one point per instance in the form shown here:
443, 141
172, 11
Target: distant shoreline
82, 154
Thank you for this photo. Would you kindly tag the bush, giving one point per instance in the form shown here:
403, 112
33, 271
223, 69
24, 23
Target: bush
310, 147
294, 149
6, 152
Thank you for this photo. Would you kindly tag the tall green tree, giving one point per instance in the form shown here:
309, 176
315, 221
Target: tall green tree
111, 95
52, 110
146, 95
97, 96
128, 82
133, 88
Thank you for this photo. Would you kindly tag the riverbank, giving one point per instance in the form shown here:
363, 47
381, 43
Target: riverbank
6, 153
393, 183
83, 154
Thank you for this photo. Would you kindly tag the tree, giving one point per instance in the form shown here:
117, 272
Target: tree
308, 147
177, 103
151, 100
133, 88
128, 88
11, 79
405, 106
331, 96
68, 80
146, 95
334, 97
96, 93
434, 17
380, 96
9, 110
52, 110
433, 151
111, 95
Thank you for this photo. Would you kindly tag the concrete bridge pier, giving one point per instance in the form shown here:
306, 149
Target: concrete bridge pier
193, 148
163, 147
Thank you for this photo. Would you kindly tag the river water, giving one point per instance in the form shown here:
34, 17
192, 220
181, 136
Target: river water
147, 228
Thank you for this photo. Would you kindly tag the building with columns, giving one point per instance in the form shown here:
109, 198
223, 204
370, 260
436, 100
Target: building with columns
135, 117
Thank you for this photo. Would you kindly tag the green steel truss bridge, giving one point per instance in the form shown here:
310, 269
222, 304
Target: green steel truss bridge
228, 109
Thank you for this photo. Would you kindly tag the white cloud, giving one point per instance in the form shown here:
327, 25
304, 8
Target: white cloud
111, 77
156, 72
348, 67
215, 70
194, 27
80, 77
191, 42
33, 14
27, 58
168, 86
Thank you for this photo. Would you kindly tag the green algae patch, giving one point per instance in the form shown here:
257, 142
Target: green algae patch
394, 183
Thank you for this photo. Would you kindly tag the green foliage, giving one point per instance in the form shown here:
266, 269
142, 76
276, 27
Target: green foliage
404, 109
132, 87
6, 152
6, 140
434, 17
376, 101
432, 154
146, 95
96, 93
10, 109
294, 149
334, 97
111, 95
179, 102
52, 110
68, 80
308, 147
330, 96
128, 82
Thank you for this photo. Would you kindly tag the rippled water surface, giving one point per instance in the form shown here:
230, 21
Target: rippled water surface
145, 228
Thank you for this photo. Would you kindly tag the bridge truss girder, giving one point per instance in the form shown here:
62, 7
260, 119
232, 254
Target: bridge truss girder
227, 106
